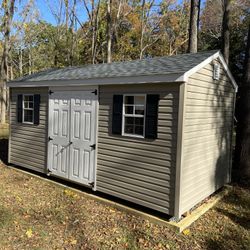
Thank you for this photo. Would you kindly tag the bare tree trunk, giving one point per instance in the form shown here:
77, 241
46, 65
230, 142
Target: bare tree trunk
8, 16
72, 32
225, 30
242, 151
193, 26
94, 30
109, 31
30, 62
142, 27
20, 62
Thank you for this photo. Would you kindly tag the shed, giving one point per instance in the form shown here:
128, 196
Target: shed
155, 132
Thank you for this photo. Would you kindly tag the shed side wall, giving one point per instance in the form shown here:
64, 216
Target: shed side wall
28, 147
209, 108
139, 170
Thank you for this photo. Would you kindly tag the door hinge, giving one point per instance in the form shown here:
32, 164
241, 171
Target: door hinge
50, 139
93, 146
49, 172
94, 92
50, 92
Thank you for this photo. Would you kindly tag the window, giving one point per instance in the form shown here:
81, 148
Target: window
134, 115
28, 108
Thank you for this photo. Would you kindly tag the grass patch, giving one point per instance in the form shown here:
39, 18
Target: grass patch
35, 214
5, 217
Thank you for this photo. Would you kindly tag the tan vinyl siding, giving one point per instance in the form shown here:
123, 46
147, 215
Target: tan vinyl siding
208, 120
139, 170
28, 147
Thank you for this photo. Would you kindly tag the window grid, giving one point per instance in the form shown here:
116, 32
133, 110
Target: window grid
136, 117
28, 109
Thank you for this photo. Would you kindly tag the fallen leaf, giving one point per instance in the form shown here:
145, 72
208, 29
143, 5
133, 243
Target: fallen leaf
29, 233
186, 232
73, 242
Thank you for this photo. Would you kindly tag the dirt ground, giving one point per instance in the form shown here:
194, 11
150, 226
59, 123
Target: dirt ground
35, 214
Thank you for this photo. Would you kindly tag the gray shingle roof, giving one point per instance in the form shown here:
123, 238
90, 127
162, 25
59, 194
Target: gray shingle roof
146, 67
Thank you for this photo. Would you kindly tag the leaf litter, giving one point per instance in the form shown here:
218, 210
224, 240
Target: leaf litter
35, 214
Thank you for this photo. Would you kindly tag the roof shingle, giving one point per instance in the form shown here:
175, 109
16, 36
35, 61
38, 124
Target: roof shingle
153, 66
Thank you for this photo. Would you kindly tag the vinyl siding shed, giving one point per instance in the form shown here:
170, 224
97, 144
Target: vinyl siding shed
155, 132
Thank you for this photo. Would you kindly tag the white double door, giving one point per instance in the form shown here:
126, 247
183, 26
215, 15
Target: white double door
72, 135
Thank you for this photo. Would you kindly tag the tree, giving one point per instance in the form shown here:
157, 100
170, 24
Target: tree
8, 7
93, 15
225, 30
109, 31
242, 156
193, 26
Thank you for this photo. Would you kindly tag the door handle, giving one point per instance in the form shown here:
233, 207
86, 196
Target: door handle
70, 142
93, 146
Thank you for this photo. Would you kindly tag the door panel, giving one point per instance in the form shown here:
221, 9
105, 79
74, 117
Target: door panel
58, 146
72, 128
82, 133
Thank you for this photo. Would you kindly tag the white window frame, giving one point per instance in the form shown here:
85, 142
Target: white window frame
28, 109
133, 115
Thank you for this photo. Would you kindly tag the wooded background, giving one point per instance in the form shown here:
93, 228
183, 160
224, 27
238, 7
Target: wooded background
116, 30
121, 30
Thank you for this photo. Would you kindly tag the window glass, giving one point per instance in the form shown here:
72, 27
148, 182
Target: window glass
28, 115
129, 109
129, 100
139, 100
139, 110
133, 117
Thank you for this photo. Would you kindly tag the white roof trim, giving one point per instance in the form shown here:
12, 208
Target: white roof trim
185, 76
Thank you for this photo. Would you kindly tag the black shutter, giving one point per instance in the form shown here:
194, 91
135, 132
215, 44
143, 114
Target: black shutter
19, 108
151, 116
36, 109
117, 114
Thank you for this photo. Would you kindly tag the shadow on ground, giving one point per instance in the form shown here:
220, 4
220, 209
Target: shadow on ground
4, 150
241, 216
234, 216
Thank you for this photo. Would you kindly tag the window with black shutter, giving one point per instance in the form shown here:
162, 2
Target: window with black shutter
135, 115
28, 107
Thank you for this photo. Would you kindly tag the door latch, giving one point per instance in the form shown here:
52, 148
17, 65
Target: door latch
93, 146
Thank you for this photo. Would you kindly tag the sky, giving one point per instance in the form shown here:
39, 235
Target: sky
45, 12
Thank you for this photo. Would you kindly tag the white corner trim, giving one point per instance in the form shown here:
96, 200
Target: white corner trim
228, 72
185, 76
179, 150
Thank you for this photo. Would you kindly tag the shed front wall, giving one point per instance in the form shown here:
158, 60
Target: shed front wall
28, 142
207, 136
139, 170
